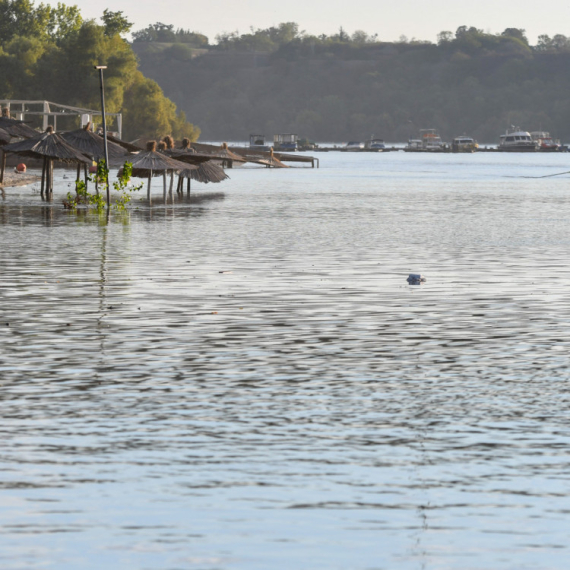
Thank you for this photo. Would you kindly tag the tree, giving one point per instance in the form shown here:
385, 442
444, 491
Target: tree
158, 32
20, 18
48, 52
517, 33
115, 23
148, 113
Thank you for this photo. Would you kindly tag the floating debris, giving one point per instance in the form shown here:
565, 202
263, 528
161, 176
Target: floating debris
416, 279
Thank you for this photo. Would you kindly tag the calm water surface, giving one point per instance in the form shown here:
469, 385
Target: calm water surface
306, 408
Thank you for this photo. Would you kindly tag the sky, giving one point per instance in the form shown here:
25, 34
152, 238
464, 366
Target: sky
390, 19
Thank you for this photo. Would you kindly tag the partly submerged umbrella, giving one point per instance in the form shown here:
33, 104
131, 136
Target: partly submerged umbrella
92, 145
126, 145
5, 137
149, 163
48, 144
151, 160
205, 172
50, 147
222, 154
16, 128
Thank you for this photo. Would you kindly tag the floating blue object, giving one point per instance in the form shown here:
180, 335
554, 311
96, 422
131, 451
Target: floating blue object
416, 279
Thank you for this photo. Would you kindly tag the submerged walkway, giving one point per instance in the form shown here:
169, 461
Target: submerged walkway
11, 179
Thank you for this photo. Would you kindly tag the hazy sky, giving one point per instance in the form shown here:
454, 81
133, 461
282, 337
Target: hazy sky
390, 19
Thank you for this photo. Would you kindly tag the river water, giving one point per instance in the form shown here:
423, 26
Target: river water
245, 381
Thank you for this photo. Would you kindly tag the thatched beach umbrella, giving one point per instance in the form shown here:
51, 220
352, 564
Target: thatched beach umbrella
149, 163
5, 137
269, 160
15, 128
205, 172
92, 146
205, 168
130, 147
223, 153
49, 147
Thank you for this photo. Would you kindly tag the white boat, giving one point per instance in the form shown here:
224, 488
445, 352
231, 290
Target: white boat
414, 145
375, 144
354, 146
257, 142
431, 140
517, 140
545, 142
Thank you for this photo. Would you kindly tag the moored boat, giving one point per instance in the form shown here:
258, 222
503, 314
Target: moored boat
257, 142
286, 142
431, 141
464, 144
545, 142
354, 146
517, 140
414, 145
375, 144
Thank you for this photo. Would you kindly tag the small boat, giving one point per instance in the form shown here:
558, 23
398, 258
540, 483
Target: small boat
286, 142
257, 142
375, 144
431, 141
517, 140
354, 146
464, 144
545, 142
414, 145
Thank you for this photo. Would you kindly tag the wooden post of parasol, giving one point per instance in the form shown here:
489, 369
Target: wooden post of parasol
3, 167
43, 176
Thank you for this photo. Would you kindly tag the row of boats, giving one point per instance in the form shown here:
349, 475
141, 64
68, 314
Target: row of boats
514, 140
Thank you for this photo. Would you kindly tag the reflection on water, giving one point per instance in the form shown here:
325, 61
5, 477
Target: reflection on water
246, 381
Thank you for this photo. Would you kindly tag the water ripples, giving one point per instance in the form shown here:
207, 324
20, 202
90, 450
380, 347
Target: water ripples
245, 380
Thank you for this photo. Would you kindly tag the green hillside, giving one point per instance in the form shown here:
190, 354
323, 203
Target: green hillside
343, 87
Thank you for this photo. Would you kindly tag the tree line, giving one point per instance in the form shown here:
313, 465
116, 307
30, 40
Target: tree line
48, 53
353, 85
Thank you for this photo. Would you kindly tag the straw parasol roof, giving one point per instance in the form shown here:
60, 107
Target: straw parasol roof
16, 128
46, 145
189, 154
92, 145
150, 160
5, 137
269, 159
204, 172
126, 145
